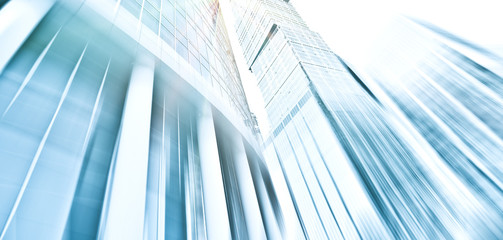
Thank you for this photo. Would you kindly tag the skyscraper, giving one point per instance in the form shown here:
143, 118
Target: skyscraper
124, 119
450, 92
352, 167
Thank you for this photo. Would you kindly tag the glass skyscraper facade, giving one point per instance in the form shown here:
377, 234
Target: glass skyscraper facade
125, 119
347, 163
450, 92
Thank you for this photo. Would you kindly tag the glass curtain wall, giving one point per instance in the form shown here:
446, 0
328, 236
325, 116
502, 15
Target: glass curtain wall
63, 101
61, 98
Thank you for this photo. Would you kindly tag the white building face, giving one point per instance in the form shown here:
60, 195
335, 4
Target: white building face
125, 120
352, 163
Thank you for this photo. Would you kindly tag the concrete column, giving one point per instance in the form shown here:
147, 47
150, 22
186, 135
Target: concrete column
247, 190
215, 206
18, 18
126, 211
271, 222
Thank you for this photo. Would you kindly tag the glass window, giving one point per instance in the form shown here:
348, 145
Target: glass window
182, 50
132, 6
167, 36
182, 39
191, 34
168, 26
150, 21
181, 23
194, 62
205, 73
180, 5
168, 11
193, 50
156, 3
205, 63
151, 9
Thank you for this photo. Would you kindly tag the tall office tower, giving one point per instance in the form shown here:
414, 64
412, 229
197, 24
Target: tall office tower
352, 168
125, 119
450, 91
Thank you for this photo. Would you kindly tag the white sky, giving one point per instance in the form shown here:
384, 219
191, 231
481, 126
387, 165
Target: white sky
350, 26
